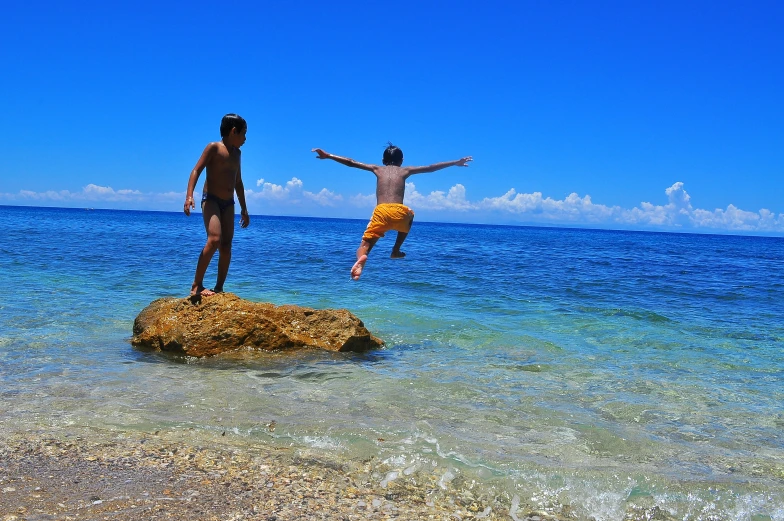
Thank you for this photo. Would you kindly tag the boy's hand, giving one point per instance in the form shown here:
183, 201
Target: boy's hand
244, 219
464, 161
188, 205
321, 153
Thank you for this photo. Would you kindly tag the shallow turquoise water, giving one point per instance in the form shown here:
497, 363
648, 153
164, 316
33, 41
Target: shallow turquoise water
596, 368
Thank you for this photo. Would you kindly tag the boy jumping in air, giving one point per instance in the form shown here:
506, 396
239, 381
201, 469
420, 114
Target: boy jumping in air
224, 177
390, 212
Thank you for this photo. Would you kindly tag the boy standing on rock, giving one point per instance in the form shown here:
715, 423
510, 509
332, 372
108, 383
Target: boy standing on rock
224, 177
390, 212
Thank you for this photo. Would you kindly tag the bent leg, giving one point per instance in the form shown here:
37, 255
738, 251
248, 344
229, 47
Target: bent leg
401, 236
396, 253
362, 255
224, 252
212, 224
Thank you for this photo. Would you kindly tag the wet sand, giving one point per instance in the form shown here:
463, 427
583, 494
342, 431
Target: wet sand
87, 474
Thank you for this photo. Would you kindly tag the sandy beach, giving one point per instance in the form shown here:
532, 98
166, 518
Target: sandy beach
88, 474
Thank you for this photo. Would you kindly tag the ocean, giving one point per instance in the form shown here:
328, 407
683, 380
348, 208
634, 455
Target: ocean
606, 370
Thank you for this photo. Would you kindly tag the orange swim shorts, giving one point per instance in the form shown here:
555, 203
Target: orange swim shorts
389, 216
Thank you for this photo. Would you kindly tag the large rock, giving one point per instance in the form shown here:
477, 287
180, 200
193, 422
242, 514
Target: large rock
225, 322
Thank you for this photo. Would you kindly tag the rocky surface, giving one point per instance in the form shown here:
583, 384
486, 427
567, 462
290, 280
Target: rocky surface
179, 475
225, 322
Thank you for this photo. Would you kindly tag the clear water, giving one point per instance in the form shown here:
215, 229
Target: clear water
599, 369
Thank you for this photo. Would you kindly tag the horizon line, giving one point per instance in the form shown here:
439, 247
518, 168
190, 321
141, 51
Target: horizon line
555, 226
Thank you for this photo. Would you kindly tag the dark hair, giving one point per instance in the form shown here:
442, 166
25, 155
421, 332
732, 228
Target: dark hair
393, 155
231, 121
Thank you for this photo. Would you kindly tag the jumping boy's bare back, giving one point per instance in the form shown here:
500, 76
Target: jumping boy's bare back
390, 212
222, 159
391, 183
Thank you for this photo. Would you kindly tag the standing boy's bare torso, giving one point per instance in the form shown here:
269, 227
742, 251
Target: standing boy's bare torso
391, 184
222, 171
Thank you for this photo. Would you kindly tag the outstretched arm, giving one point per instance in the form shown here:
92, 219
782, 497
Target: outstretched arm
209, 151
343, 160
438, 166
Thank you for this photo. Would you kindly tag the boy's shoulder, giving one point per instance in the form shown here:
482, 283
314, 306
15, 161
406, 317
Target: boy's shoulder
220, 147
212, 146
390, 169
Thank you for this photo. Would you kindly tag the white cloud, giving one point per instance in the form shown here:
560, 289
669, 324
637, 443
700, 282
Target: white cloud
273, 191
571, 209
324, 197
62, 195
363, 201
95, 194
678, 213
292, 193
454, 199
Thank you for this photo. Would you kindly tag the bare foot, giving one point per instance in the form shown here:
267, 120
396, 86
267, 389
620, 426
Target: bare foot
397, 255
201, 290
216, 289
356, 269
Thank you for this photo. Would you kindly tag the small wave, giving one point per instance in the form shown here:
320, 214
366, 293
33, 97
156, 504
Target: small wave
317, 376
648, 316
322, 442
271, 375
531, 368
753, 336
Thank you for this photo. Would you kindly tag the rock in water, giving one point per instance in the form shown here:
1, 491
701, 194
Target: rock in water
225, 322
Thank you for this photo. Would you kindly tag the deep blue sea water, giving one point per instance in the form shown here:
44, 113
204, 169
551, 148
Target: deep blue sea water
601, 369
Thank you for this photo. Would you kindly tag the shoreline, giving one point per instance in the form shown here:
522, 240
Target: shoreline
79, 473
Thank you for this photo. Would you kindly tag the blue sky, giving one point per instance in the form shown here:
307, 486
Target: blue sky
631, 115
